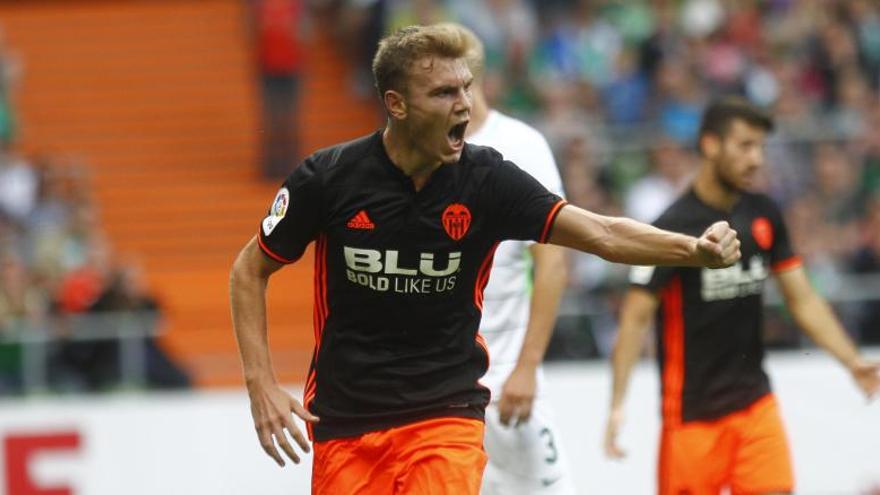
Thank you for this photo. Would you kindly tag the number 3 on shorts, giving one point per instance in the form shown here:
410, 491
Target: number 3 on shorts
554, 455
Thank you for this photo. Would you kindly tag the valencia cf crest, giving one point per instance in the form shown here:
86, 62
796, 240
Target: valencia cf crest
456, 220
762, 231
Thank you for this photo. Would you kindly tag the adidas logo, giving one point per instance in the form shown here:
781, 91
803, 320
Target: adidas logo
361, 221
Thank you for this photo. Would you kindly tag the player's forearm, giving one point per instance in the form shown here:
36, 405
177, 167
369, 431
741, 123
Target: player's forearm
625, 354
247, 294
549, 282
631, 242
623, 240
635, 319
816, 319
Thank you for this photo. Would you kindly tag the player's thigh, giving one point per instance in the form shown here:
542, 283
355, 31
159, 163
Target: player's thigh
358, 466
695, 458
528, 458
763, 461
441, 457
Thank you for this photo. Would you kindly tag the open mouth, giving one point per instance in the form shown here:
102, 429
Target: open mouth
456, 134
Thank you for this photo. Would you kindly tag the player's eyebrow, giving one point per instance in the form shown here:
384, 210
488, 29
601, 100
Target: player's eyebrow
444, 89
451, 87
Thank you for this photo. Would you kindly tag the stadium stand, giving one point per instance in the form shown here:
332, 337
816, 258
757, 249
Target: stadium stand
160, 99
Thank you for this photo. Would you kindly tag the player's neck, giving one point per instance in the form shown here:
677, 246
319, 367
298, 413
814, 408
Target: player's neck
712, 191
479, 113
404, 155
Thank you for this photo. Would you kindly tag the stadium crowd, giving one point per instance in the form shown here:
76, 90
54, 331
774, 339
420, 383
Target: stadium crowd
61, 283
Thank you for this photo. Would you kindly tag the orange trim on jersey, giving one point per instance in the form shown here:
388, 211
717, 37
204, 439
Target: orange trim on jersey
787, 264
272, 255
673, 349
483, 276
485, 345
311, 384
319, 319
549, 222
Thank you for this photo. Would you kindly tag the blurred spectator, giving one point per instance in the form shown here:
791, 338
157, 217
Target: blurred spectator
867, 261
127, 293
80, 362
22, 308
566, 116
837, 191
680, 101
700, 18
507, 28
402, 13
102, 308
360, 24
626, 95
671, 172
853, 97
282, 59
18, 187
864, 18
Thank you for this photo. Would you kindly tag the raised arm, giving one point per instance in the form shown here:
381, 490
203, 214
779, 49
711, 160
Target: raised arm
623, 240
271, 405
636, 314
816, 319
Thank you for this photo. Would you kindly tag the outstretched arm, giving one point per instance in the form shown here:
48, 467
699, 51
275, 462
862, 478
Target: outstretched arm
271, 405
518, 392
623, 240
815, 317
636, 314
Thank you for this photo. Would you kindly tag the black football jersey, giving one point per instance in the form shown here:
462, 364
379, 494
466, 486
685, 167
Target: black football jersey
399, 278
710, 320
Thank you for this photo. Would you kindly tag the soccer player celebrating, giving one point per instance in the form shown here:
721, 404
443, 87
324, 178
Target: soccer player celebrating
525, 451
721, 426
405, 223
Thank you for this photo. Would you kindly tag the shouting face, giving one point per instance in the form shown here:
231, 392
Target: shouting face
435, 108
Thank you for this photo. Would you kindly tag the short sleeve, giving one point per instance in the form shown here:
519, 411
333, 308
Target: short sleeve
294, 218
652, 278
521, 207
782, 255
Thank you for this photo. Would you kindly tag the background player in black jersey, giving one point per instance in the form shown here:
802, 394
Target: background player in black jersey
721, 426
405, 223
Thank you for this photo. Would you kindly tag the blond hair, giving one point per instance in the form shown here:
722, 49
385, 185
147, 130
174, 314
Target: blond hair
475, 54
399, 50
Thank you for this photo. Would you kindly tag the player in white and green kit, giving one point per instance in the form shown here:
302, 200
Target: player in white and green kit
524, 447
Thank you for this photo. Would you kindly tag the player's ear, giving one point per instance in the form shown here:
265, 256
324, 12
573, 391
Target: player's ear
395, 104
710, 145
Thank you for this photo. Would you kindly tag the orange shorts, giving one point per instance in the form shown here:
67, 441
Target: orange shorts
746, 451
441, 456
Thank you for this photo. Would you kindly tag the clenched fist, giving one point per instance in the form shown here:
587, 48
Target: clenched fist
718, 247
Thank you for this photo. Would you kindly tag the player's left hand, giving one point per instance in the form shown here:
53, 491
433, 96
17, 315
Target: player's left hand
867, 377
517, 396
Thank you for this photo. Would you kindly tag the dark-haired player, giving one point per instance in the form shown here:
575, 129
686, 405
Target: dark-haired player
721, 424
